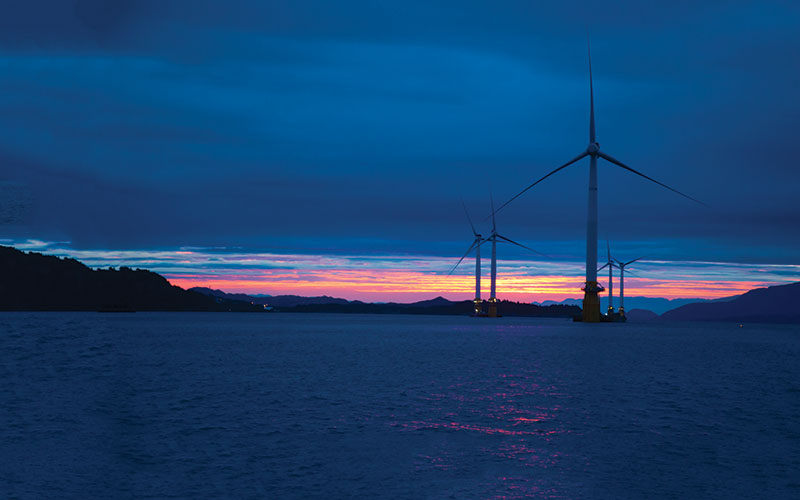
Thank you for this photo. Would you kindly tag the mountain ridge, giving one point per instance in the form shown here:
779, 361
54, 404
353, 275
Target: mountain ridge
774, 304
37, 282
658, 305
438, 305
271, 300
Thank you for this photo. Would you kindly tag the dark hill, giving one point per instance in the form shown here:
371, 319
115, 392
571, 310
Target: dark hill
438, 305
775, 304
230, 296
293, 300
36, 282
438, 301
274, 301
639, 315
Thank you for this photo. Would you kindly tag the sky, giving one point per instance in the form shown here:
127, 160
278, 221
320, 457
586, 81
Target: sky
318, 147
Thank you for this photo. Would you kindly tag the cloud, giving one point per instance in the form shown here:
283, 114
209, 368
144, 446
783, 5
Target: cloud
68, 23
336, 127
390, 277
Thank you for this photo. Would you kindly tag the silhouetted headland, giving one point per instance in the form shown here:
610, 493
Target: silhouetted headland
35, 282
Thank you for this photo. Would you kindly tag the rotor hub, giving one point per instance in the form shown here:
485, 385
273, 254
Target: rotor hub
593, 148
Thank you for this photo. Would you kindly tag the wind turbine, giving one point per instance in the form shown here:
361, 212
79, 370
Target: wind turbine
610, 265
476, 244
591, 302
621, 266
493, 237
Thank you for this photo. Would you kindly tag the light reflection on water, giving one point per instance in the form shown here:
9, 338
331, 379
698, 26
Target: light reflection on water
326, 406
507, 406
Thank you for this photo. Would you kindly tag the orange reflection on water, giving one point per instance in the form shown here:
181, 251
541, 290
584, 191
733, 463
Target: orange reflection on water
515, 419
420, 425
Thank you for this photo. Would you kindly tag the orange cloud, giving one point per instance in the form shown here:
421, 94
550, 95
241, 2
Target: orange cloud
402, 285
406, 278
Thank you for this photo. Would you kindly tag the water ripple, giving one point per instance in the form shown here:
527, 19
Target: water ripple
325, 406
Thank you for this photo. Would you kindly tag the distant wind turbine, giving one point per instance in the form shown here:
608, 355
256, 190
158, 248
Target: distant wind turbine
476, 244
591, 302
493, 237
621, 266
610, 265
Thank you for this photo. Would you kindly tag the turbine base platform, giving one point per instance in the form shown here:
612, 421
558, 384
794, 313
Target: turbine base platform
493, 308
591, 303
478, 308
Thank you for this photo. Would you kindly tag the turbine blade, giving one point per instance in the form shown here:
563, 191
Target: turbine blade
634, 260
543, 178
608, 247
601, 268
469, 218
591, 94
520, 245
462, 258
620, 164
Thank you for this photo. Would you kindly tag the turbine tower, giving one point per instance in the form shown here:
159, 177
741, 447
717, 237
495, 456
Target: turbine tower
493, 237
591, 302
621, 266
476, 244
610, 265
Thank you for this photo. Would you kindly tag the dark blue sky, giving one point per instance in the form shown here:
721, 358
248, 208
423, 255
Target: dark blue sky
358, 125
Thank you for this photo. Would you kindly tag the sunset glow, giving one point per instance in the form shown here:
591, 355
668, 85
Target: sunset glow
387, 278
406, 286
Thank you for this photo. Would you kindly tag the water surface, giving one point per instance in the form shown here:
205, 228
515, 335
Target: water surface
204, 405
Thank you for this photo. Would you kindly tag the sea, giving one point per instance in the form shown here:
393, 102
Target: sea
318, 406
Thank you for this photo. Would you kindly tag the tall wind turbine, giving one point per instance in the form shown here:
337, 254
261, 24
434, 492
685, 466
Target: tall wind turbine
476, 244
610, 265
621, 266
591, 302
493, 237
